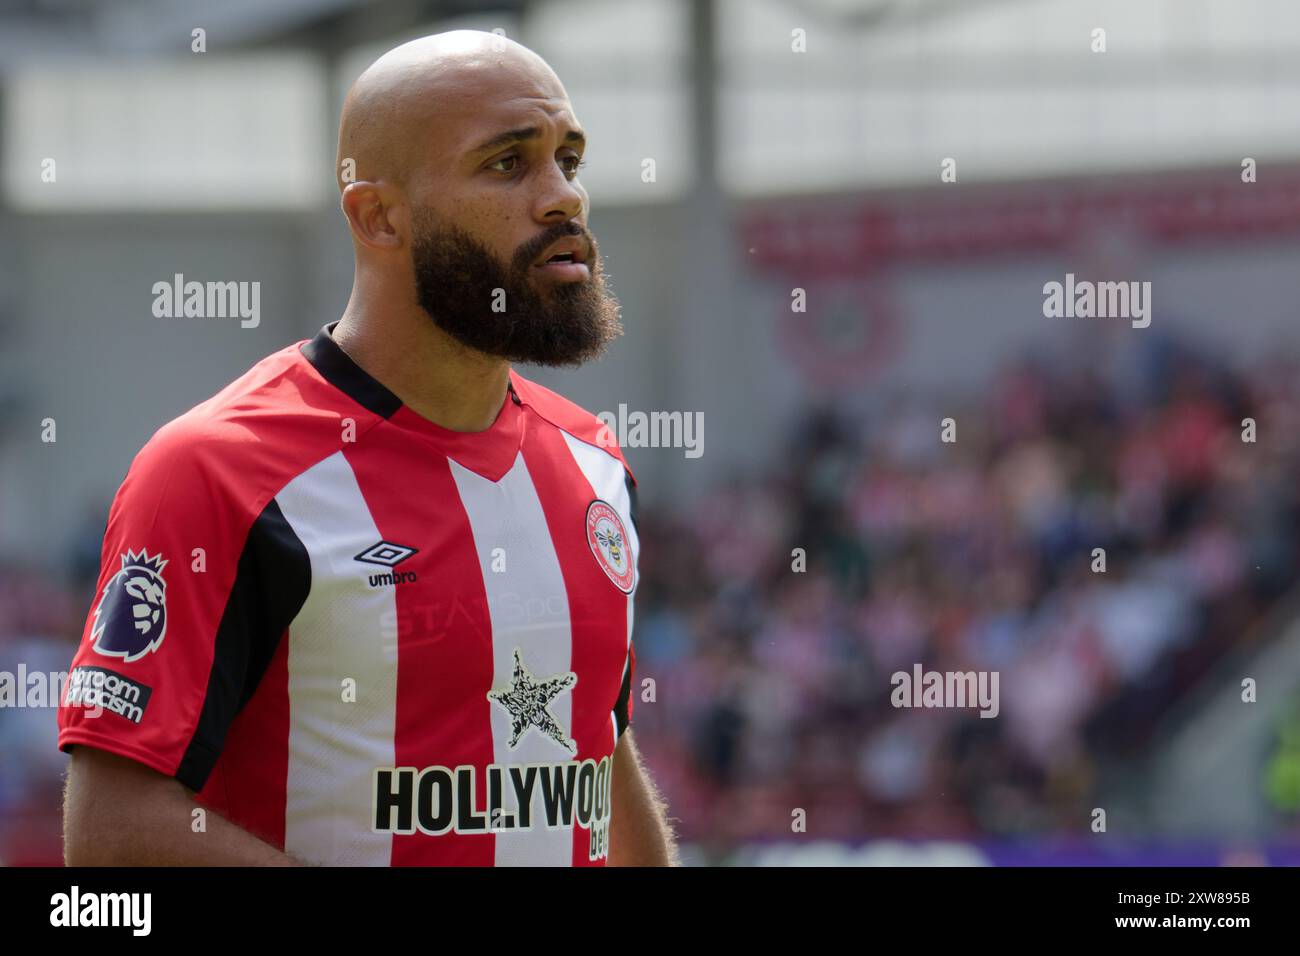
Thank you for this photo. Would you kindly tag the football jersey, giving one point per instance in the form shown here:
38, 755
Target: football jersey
365, 638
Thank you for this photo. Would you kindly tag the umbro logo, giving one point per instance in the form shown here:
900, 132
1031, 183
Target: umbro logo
389, 555
386, 553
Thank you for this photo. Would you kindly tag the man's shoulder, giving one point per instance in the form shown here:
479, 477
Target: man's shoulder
258, 430
569, 417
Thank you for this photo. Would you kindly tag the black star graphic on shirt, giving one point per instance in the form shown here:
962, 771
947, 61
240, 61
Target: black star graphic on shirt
527, 699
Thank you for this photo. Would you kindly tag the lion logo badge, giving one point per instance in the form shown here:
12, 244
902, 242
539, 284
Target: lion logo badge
131, 617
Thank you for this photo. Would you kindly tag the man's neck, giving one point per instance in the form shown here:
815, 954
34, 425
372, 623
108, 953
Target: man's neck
437, 377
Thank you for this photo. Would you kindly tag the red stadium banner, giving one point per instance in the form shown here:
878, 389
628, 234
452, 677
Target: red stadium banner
840, 236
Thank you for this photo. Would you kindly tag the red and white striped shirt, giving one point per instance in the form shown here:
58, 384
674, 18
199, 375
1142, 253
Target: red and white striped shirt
366, 638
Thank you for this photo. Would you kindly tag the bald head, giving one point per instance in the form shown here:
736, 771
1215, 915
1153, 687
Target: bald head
410, 105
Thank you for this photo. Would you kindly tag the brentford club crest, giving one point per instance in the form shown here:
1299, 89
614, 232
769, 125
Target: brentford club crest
608, 540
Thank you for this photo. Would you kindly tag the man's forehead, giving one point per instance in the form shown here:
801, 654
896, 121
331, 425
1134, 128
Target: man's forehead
488, 79
473, 125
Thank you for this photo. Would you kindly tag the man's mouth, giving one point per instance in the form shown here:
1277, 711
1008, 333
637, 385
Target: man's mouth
566, 258
565, 270
565, 266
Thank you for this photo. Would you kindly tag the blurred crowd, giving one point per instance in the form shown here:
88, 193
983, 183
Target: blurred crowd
40, 619
772, 685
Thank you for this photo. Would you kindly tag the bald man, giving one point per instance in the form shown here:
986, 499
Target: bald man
371, 604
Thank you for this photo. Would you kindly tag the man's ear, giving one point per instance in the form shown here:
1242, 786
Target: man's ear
375, 214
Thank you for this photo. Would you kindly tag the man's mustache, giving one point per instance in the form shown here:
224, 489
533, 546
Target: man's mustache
528, 253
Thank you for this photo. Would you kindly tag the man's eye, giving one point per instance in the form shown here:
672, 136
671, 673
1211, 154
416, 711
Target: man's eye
573, 164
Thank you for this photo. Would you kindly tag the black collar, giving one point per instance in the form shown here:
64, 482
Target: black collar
337, 368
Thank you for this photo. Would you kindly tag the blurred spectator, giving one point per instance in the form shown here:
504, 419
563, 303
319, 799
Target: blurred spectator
975, 555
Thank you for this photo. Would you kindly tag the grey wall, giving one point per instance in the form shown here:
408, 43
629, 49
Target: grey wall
81, 345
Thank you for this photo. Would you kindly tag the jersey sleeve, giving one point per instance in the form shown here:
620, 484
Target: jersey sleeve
623, 709
185, 611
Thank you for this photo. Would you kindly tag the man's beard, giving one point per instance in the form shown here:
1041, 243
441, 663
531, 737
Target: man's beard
456, 283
